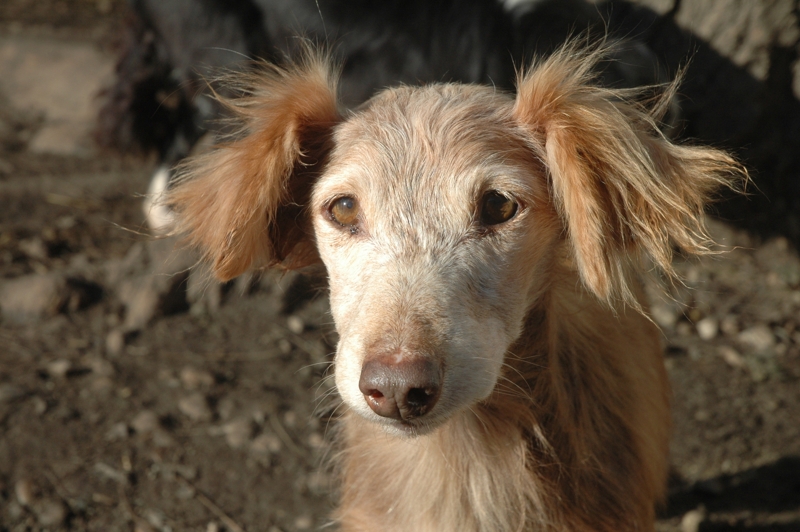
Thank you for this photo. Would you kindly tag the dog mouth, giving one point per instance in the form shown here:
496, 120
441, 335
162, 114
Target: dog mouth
408, 429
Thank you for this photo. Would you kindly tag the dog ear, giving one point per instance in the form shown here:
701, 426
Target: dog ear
622, 189
242, 203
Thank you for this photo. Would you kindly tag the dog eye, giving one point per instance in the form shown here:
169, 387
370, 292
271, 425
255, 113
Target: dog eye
344, 211
497, 208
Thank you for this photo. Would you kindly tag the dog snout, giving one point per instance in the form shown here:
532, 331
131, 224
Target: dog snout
400, 387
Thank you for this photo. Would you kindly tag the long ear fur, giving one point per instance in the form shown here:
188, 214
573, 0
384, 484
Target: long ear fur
621, 187
242, 202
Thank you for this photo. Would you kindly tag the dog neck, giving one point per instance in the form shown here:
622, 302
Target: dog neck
494, 465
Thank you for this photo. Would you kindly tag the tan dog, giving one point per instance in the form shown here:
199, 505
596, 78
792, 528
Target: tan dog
497, 366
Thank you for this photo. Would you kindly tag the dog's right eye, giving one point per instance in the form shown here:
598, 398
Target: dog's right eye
344, 211
497, 208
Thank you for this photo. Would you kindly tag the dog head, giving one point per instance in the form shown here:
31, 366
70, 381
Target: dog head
442, 214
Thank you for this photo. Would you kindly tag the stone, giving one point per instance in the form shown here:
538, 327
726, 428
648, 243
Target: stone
145, 422
32, 297
195, 407
193, 378
707, 328
758, 337
50, 512
10, 392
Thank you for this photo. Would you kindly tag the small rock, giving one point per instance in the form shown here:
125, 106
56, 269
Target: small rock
143, 526
691, 520
212, 527
185, 492
318, 483
50, 512
39, 405
101, 385
683, 329
154, 517
758, 337
145, 422
10, 392
195, 407
315, 440
731, 356
117, 432
265, 444
193, 378
664, 316
226, 408
729, 325
238, 432
25, 491
295, 324
707, 328
303, 522
101, 367
115, 342
33, 297
59, 368
34, 248
285, 346
111, 473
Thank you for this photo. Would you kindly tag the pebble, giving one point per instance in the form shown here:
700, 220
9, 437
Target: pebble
691, 520
315, 440
25, 491
143, 526
50, 512
195, 407
295, 324
729, 325
10, 392
238, 432
226, 408
34, 296
758, 337
101, 366
115, 342
193, 378
117, 432
59, 368
707, 328
266, 443
731, 356
303, 522
111, 473
145, 422
39, 405
664, 316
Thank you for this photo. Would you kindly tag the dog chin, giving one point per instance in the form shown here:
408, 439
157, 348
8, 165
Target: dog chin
406, 429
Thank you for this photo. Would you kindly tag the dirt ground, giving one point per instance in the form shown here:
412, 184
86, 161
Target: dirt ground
207, 408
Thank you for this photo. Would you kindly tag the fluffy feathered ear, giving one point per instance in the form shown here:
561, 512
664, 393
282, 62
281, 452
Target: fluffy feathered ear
242, 203
621, 187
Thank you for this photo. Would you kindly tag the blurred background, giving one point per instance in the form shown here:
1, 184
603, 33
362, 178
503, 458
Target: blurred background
137, 396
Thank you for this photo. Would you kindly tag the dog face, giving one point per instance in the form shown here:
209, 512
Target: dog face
440, 212
433, 222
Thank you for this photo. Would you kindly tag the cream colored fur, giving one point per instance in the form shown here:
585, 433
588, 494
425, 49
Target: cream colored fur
554, 408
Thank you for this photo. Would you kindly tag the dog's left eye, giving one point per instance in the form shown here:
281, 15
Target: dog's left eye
497, 208
344, 211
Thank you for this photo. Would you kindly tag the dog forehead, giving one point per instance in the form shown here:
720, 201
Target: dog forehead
440, 139
432, 119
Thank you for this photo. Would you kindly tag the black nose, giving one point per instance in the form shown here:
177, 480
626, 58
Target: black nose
398, 387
